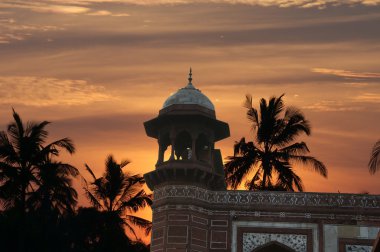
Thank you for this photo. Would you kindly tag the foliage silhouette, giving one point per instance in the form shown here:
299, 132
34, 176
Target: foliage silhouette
88, 230
93, 230
273, 153
38, 201
119, 194
25, 161
55, 194
374, 162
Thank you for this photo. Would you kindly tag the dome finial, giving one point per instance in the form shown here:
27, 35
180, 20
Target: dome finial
190, 76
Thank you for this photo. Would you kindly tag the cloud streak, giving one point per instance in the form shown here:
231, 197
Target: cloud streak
83, 6
280, 3
265, 3
346, 73
333, 106
60, 7
45, 7
42, 92
107, 13
11, 30
368, 97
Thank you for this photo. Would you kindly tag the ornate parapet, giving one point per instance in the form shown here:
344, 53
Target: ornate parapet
266, 198
318, 205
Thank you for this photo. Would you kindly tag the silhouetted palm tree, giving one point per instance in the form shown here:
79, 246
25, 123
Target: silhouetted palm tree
22, 151
374, 162
119, 194
23, 154
55, 193
272, 154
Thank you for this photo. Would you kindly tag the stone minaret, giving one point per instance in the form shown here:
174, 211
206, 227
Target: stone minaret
186, 129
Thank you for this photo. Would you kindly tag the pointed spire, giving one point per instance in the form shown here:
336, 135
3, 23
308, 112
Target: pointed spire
189, 84
190, 76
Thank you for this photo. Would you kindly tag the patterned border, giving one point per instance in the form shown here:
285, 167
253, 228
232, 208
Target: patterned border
267, 214
359, 244
307, 233
274, 227
250, 198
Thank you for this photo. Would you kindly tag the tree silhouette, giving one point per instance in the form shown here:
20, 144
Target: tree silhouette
119, 194
273, 153
22, 151
55, 194
24, 182
374, 162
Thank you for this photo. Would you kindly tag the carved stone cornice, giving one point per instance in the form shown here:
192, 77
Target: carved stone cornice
360, 203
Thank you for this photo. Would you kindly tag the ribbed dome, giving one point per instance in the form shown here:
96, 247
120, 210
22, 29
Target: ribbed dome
189, 95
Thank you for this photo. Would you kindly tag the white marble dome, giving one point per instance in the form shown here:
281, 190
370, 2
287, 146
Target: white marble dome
189, 95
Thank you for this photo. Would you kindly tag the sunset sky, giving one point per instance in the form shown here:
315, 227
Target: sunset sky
98, 69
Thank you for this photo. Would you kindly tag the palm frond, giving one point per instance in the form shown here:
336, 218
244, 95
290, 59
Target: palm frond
295, 149
292, 125
237, 167
124, 163
36, 132
254, 183
130, 228
68, 169
311, 162
138, 221
374, 162
94, 201
277, 105
252, 113
16, 129
90, 171
137, 202
286, 177
7, 151
132, 186
64, 143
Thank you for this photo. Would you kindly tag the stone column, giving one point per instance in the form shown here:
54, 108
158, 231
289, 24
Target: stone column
193, 146
160, 153
172, 140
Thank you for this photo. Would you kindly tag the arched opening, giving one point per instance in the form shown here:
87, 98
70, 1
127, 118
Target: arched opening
273, 246
182, 146
203, 148
164, 148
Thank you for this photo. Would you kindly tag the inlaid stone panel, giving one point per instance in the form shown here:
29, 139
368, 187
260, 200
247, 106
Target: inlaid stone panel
218, 239
297, 242
199, 237
358, 248
177, 234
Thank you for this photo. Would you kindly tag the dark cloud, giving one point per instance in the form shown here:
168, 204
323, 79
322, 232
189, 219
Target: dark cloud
236, 25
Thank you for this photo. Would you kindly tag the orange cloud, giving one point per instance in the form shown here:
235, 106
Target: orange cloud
346, 74
39, 6
41, 92
332, 105
368, 97
15, 31
76, 6
107, 13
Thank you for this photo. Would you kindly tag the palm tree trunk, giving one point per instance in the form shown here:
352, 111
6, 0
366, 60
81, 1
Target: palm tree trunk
263, 183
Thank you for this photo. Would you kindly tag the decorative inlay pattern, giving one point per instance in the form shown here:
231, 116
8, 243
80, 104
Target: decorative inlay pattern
262, 214
269, 198
254, 240
358, 248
